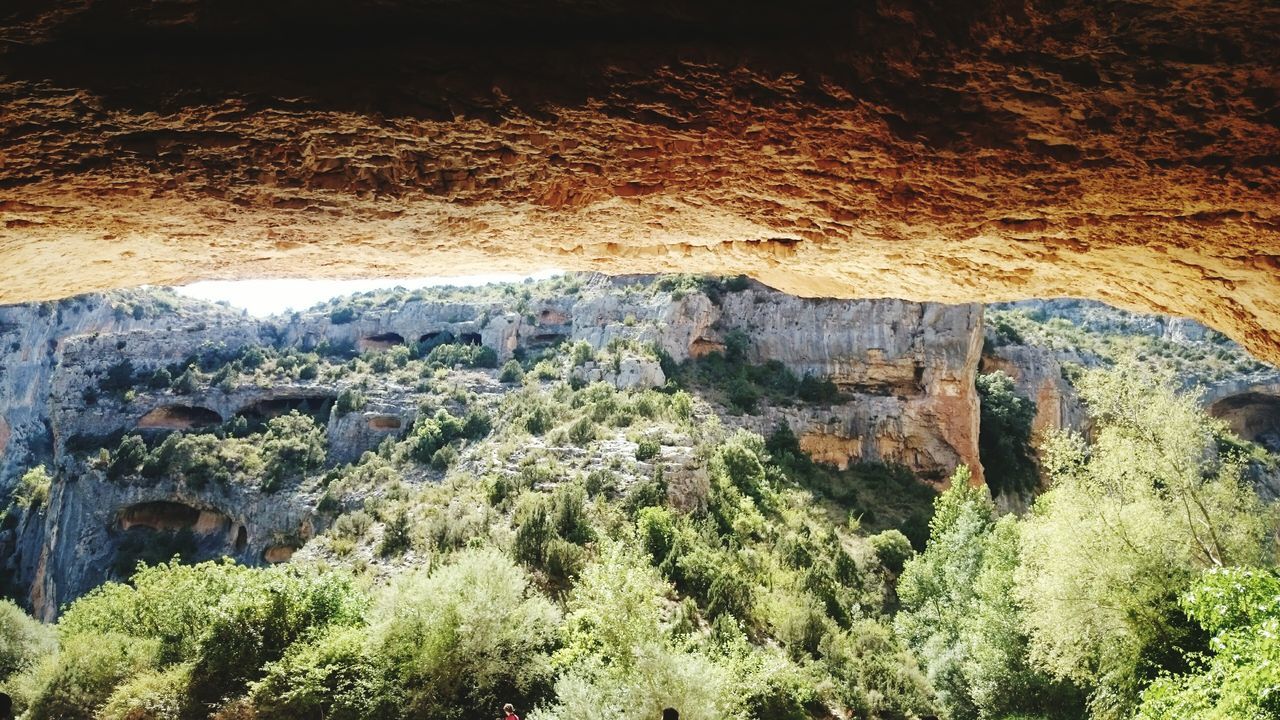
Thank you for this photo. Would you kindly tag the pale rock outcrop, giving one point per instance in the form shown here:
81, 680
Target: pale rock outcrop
906, 371
86, 518
632, 373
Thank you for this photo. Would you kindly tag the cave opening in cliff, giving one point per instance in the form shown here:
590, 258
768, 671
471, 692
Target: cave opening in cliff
385, 422
315, 406
547, 339
1253, 416
179, 417
159, 515
381, 341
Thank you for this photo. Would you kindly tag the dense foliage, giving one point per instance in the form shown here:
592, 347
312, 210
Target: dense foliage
959, 615
1004, 435
287, 447
589, 552
1134, 515
1240, 675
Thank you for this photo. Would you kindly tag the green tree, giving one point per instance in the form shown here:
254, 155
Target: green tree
893, 549
1133, 517
511, 373
468, 635
1241, 677
23, 639
959, 617
226, 621
337, 676
349, 400
1004, 435
619, 659
292, 445
73, 683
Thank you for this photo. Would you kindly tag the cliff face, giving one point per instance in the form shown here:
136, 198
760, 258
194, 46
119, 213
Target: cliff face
1234, 387
907, 369
905, 372
30, 338
954, 152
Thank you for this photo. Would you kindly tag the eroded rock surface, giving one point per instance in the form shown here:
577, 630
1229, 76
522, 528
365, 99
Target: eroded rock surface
1125, 151
905, 374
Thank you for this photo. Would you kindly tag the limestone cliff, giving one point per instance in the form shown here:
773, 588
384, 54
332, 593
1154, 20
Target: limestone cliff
905, 372
1051, 338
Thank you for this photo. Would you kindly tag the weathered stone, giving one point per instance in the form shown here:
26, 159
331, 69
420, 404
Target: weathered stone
953, 152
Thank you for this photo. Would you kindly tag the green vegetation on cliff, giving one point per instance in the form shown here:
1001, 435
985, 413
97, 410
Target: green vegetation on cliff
583, 551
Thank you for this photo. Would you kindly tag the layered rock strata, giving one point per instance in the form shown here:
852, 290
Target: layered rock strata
954, 152
905, 372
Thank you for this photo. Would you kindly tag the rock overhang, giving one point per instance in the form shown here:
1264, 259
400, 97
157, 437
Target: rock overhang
1123, 151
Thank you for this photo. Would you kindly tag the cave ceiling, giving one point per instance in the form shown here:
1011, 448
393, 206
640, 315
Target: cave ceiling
950, 151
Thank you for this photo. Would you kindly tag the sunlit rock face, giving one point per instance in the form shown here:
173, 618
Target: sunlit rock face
1124, 151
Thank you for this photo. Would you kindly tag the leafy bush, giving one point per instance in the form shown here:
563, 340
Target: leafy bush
539, 419
601, 482
160, 379
563, 560
818, 390
731, 594
23, 640
349, 400
467, 635
471, 356
188, 382
648, 448
72, 684
32, 491
128, 458
511, 373
430, 434
875, 676
583, 431
737, 463
225, 620
292, 445
893, 549
533, 530
151, 695
1241, 678
342, 315
1004, 435
443, 458
620, 660
395, 536
569, 514
1004, 331
656, 527
336, 675
118, 378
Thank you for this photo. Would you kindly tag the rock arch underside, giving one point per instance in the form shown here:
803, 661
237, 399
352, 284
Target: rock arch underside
998, 149
1253, 416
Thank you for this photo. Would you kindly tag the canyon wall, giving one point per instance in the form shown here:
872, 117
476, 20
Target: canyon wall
905, 372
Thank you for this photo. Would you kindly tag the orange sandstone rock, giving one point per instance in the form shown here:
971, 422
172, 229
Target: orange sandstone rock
1121, 151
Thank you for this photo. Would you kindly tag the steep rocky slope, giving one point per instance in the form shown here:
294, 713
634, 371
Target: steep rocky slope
1043, 344
861, 384
901, 377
